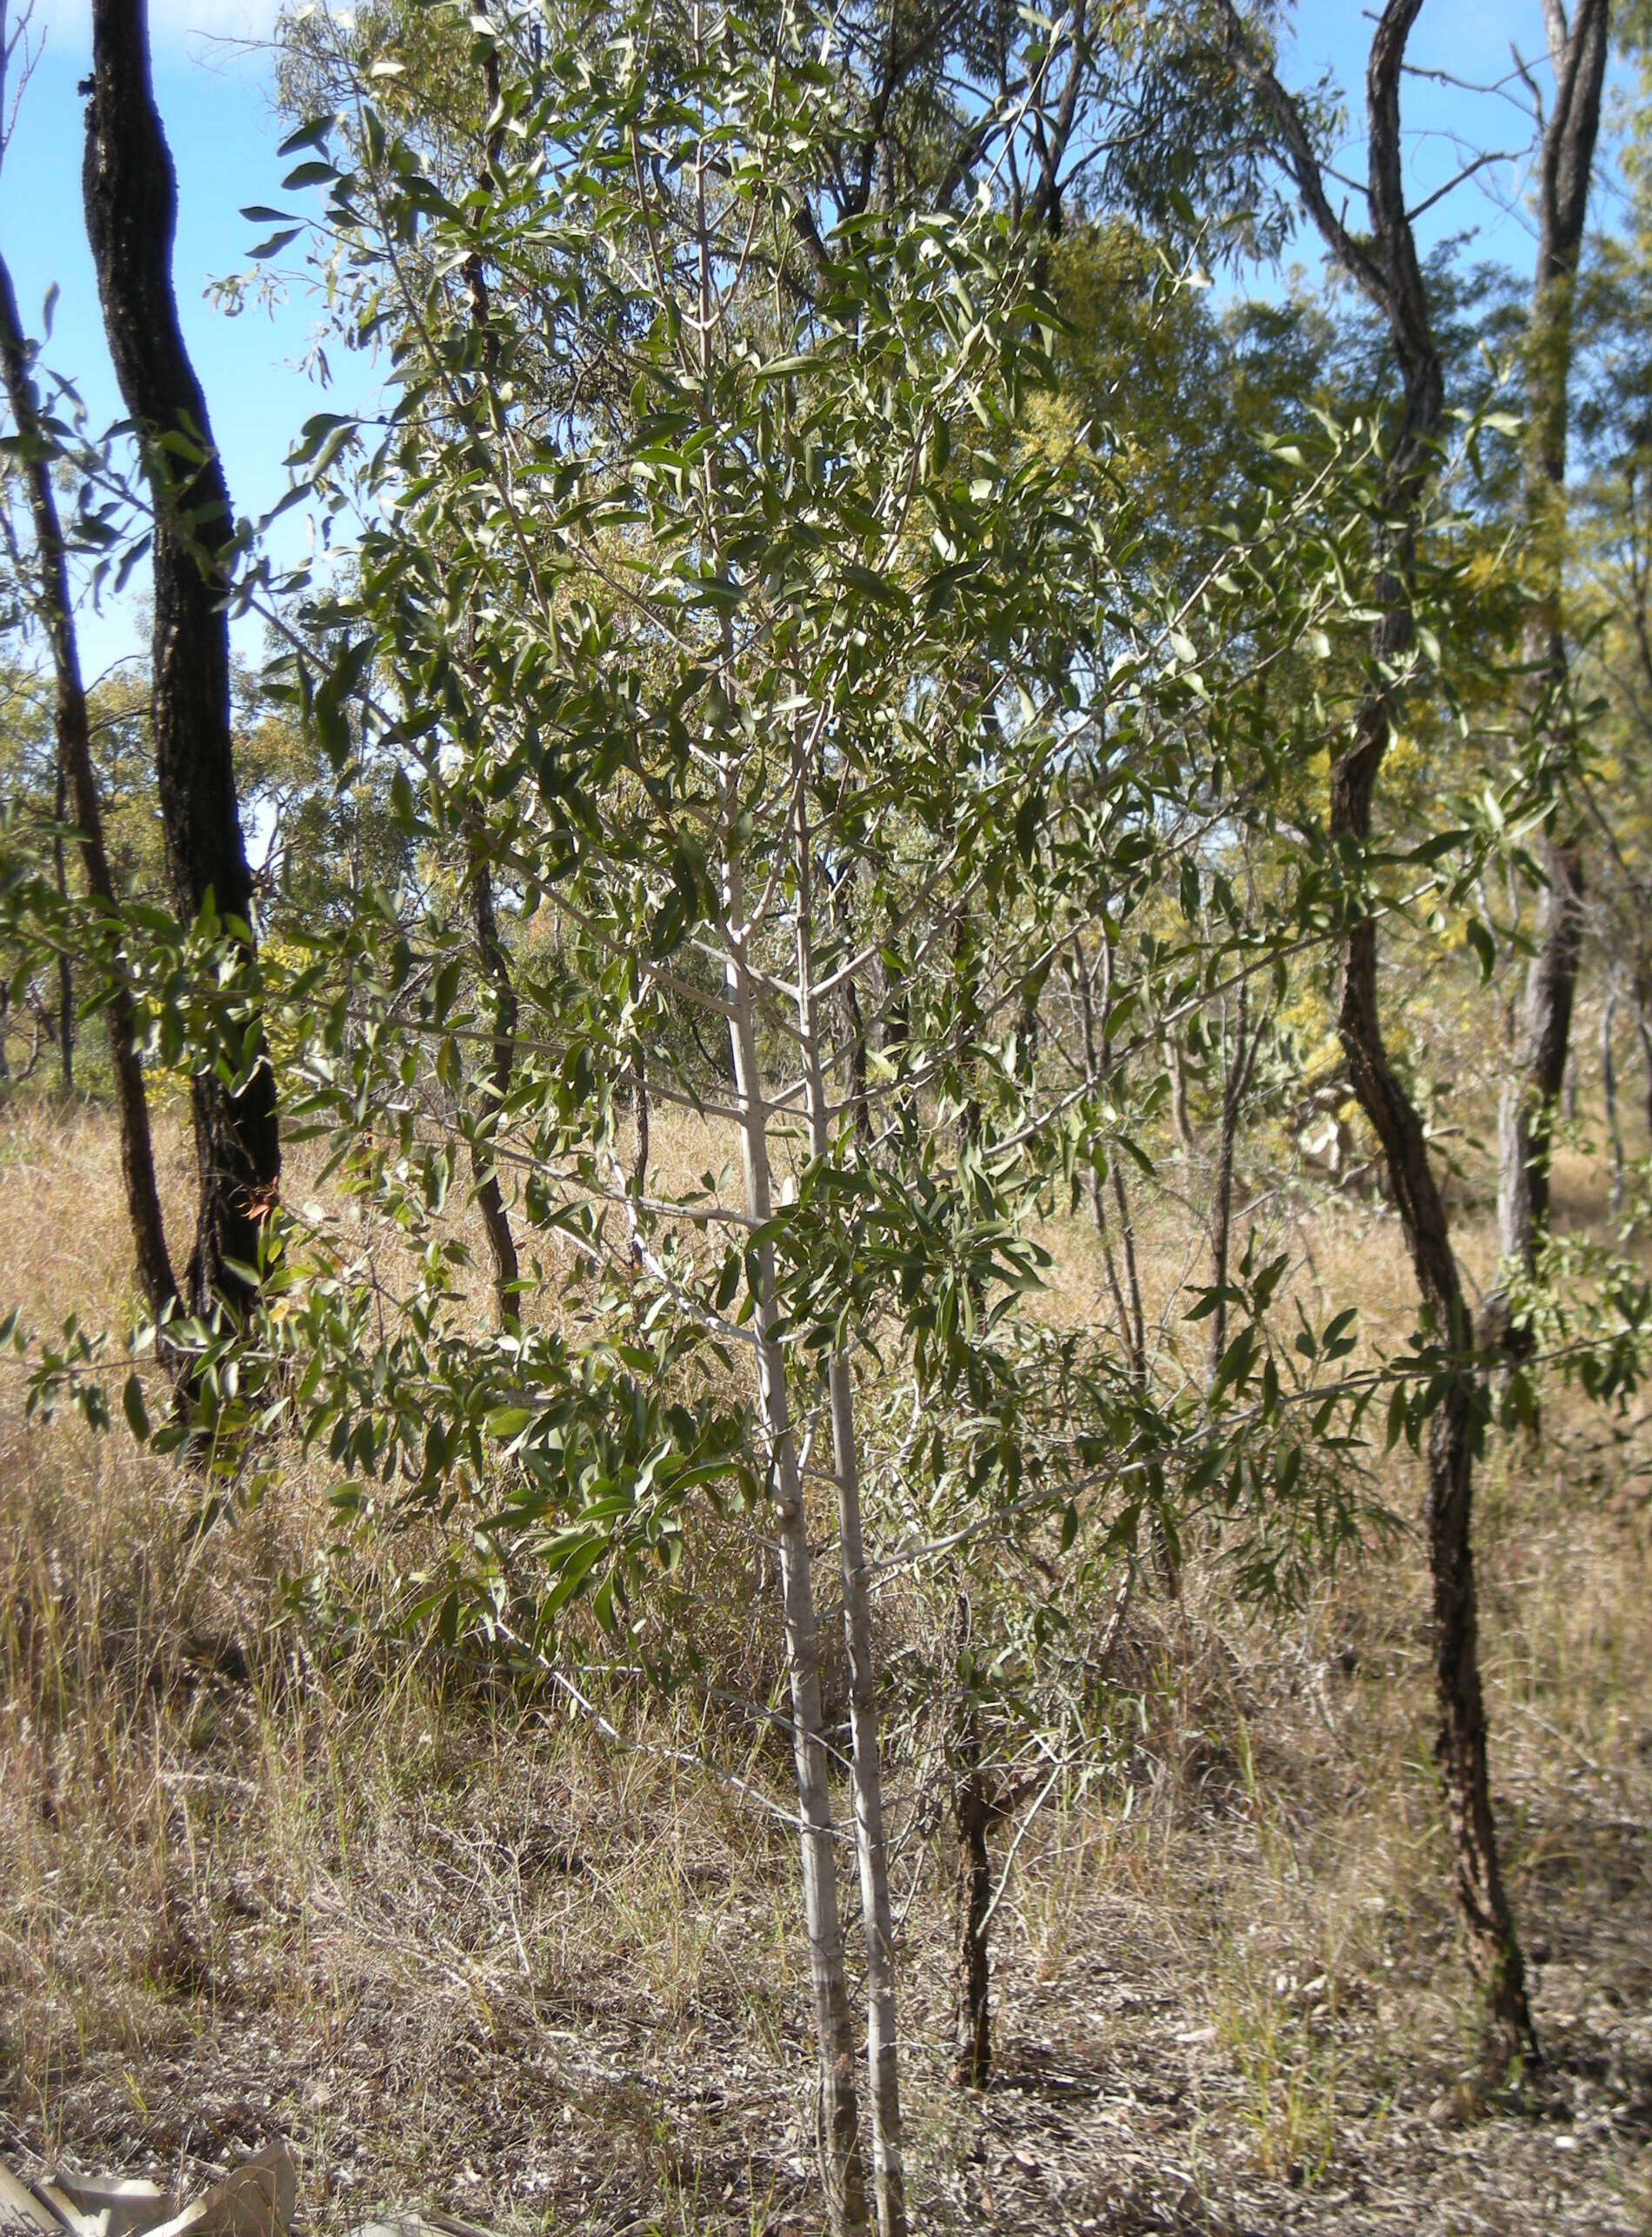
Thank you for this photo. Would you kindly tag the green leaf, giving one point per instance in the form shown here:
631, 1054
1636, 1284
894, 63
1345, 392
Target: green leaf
137, 1418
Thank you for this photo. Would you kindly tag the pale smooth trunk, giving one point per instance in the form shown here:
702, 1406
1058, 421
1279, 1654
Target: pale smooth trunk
882, 2038
842, 2166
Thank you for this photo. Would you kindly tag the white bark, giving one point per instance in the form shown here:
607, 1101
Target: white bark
882, 2037
842, 2166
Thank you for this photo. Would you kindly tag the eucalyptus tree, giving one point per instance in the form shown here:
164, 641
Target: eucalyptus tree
716, 587
43, 581
1569, 131
130, 194
53, 606
675, 660
1386, 268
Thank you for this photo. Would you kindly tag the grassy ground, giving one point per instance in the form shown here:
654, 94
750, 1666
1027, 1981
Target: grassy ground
463, 1951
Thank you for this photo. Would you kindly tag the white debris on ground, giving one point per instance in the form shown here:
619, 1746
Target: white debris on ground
257, 2199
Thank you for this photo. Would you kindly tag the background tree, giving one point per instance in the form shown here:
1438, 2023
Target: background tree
1389, 274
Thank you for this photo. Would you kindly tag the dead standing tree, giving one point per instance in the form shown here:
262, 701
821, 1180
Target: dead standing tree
130, 193
1390, 275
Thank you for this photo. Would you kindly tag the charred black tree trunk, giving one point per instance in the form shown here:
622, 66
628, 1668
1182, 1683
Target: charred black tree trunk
640, 1122
131, 206
1526, 1119
74, 758
1388, 273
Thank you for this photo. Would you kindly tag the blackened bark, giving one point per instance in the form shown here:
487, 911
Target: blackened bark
74, 751
640, 1122
131, 206
1389, 274
1577, 53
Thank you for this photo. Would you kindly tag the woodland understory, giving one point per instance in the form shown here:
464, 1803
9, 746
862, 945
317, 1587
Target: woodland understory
826, 1131
464, 1952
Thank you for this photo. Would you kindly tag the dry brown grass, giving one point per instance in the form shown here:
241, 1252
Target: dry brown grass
260, 1877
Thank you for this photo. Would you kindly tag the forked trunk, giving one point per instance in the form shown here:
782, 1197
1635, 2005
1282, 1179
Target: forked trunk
842, 2166
74, 749
882, 2038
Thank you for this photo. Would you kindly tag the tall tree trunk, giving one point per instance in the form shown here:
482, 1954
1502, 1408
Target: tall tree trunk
1526, 1114
1175, 1060
878, 1923
74, 749
1525, 1128
65, 968
131, 205
1388, 273
844, 2169
851, 1015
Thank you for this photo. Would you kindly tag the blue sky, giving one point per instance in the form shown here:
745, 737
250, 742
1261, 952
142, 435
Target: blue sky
212, 81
